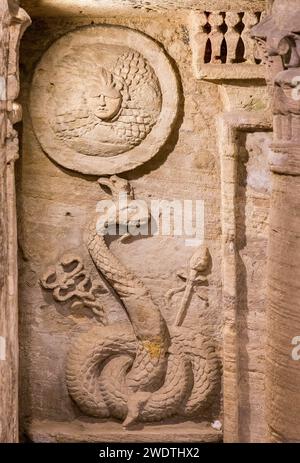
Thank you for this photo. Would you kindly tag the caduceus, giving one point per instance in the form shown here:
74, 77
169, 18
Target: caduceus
197, 266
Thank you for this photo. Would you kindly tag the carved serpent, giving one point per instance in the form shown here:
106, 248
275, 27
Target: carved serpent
145, 372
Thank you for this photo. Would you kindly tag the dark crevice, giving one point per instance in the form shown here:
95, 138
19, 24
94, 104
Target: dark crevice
223, 57
208, 52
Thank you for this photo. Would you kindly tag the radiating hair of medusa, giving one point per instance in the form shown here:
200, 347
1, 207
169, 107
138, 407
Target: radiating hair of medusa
127, 95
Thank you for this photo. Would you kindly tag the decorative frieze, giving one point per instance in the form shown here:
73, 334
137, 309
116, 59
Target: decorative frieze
222, 47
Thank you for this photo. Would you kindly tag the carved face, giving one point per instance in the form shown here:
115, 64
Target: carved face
109, 103
104, 97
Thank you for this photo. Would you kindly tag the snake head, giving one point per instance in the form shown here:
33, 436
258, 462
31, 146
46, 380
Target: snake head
129, 213
117, 186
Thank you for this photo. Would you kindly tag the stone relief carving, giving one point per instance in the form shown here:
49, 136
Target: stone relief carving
281, 43
221, 43
144, 371
13, 23
280, 34
70, 281
194, 276
115, 108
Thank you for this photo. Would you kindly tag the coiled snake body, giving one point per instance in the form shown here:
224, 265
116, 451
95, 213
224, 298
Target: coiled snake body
146, 372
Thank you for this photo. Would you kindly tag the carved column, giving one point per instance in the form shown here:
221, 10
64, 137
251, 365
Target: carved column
13, 22
280, 31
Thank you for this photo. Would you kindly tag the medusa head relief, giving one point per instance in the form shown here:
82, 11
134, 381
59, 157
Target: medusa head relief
104, 107
104, 97
100, 107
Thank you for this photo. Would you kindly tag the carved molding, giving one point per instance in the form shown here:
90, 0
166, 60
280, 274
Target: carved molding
230, 124
279, 33
75, 7
13, 22
117, 106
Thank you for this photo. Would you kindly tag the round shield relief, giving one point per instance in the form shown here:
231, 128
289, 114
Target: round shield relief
103, 100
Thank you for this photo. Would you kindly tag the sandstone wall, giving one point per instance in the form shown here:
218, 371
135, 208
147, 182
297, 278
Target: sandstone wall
55, 206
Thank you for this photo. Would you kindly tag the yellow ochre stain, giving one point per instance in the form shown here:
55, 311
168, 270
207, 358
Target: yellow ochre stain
154, 348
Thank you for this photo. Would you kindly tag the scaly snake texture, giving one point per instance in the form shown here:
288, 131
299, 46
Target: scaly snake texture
145, 372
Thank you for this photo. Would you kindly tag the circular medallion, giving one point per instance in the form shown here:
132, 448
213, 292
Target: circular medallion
103, 100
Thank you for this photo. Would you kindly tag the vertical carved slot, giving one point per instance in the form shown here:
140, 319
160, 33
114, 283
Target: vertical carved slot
223, 55
240, 51
207, 55
206, 29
